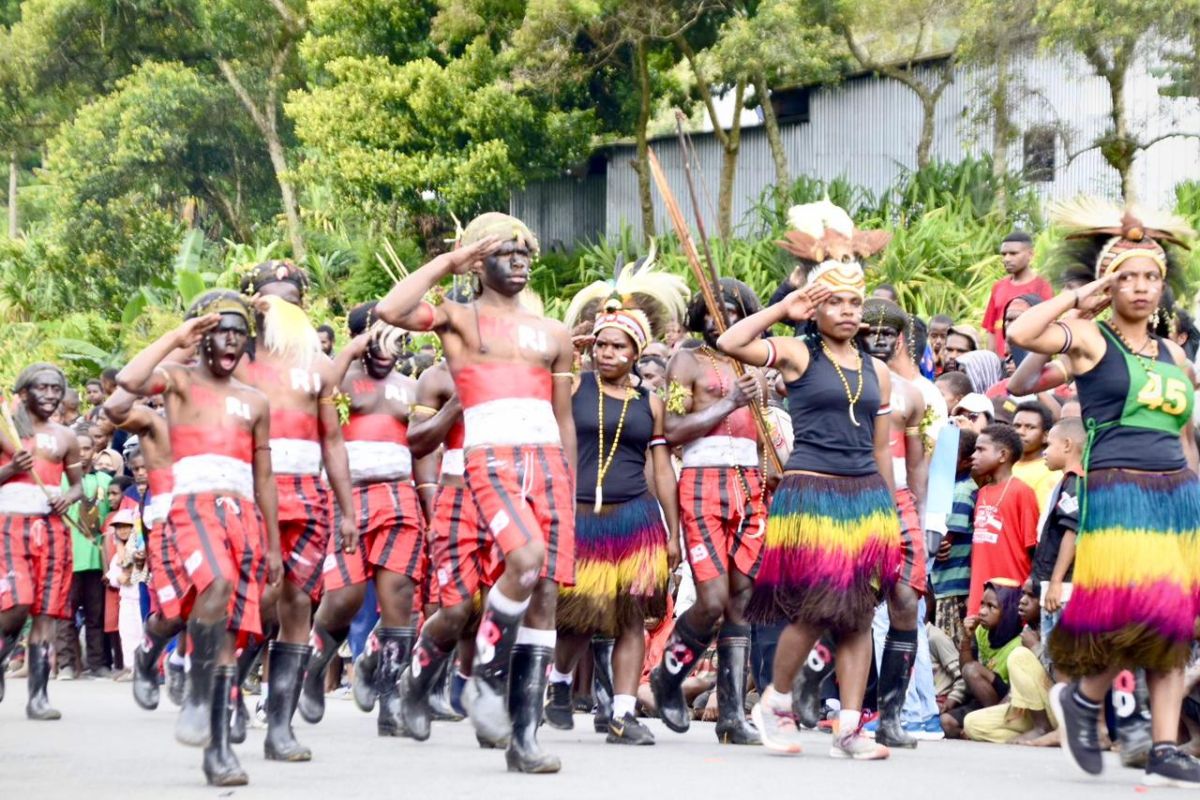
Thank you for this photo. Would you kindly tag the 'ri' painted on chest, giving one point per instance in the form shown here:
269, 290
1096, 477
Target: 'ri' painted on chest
526, 337
363, 389
298, 379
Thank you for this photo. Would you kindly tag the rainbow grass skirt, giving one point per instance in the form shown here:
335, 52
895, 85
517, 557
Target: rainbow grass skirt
832, 548
620, 568
1137, 571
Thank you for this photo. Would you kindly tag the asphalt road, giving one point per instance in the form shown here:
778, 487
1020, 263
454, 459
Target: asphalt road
106, 747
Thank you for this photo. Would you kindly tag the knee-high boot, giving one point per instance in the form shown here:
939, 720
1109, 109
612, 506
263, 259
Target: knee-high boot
682, 653
193, 727
806, 688
284, 676
395, 651
38, 706
221, 767
733, 655
324, 645
602, 683
526, 688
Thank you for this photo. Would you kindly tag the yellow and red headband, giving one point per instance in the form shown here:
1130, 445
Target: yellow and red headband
632, 322
1119, 249
840, 276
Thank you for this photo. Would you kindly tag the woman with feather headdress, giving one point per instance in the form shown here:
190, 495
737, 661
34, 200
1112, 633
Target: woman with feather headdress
1137, 557
626, 528
832, 542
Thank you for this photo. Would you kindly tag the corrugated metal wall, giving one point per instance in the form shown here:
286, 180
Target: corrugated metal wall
866, 130
564, 211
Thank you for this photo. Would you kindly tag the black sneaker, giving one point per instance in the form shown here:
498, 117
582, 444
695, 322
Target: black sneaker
628, 730
1170, 766
1080, 728
559, 713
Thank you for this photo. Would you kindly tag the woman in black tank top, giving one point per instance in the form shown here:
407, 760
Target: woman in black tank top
832, 544
622, 547
1134, 596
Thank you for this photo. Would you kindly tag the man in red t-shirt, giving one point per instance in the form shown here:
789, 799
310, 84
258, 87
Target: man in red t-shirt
1017, 252
1006, 514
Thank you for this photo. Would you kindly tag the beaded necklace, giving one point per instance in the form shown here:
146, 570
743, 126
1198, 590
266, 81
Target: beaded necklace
605, 463
851, 396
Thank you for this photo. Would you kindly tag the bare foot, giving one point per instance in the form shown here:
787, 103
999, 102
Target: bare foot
1050, 739
1029, 736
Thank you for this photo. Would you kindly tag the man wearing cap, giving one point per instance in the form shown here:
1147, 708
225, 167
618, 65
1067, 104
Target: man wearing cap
512, 372
223, 499
974, 412
1016, 251
35, 545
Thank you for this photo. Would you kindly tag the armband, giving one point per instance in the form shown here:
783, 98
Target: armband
421, 486
263, 447
166, 379
912, 430
1066, 329
557, 375
659, 441
417, 408
883, 411
423, 316
677, 397
771, 354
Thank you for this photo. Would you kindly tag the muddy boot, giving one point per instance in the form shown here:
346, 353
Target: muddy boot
895, 671
733, 655
324, 645
221, 766
395, 649
527, 685
145, 670
439, 698
682, 653
363, 683
38, 706
487, 690
806, 688
602, 683
194, 725
417, 683
284, 676
245, 665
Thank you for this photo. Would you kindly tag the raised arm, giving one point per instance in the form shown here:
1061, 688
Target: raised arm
1037, 374
139, 375
1039, 329
121, 410
347, 355
405, 306
744, 340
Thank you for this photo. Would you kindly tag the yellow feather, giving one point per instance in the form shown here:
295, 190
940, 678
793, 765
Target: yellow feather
288, 334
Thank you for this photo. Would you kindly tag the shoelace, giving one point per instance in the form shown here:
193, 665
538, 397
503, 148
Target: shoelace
786, 718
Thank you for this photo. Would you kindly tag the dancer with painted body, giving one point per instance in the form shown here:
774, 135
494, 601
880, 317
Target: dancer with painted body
512, 371
832, 544
1137, 551
390, 521
222, 518
626, 491
35, 544
168, 578
286, 364
722, 514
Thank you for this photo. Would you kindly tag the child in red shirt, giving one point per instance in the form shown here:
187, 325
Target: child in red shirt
1006, 514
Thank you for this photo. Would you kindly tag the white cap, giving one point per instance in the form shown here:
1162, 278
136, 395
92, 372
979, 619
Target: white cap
976, 403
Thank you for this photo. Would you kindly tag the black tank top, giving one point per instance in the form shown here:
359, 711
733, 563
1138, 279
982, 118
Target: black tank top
826, 440
626, 477
1103, 395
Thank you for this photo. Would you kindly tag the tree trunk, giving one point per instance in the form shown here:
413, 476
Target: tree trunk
641, 164
13, 217
225, 210
1001, 126
925, 143
265, 121
733, 143
1120, 152
783, 178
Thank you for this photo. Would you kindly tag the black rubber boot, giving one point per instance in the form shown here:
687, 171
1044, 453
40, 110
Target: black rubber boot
682, 653
395, 649
176, 677
427, 664
895, 670
245, 665
221, 766
733, 656
487, 688
559, 710
363, 683
806, 688
145, 670
602, 683
194, 726
527, 685
324, 645
38, 706
8, 643
285, 672
439, 698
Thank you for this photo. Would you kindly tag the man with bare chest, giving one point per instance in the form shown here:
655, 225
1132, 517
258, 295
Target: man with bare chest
287, 365
222, 518
390, 522
512, 371
722, 514
35, 544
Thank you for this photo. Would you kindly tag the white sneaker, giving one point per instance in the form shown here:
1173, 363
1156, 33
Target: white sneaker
777, 729
858, 747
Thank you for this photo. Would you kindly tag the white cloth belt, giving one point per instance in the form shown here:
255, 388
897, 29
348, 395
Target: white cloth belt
721, 451
213, 474
453, 463
510, 422
157, 510
295, 457
378, 461
25, 499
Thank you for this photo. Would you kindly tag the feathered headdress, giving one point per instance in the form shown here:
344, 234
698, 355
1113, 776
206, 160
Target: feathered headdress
494, 223
630, 321
824, 235
1126, 232
660, 296
274, 271
287, 333
388, 339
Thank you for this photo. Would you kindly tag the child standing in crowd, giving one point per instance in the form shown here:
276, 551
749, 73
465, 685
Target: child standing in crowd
1006, 514
1032, 421
952, 568
1054, 560
126, 571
